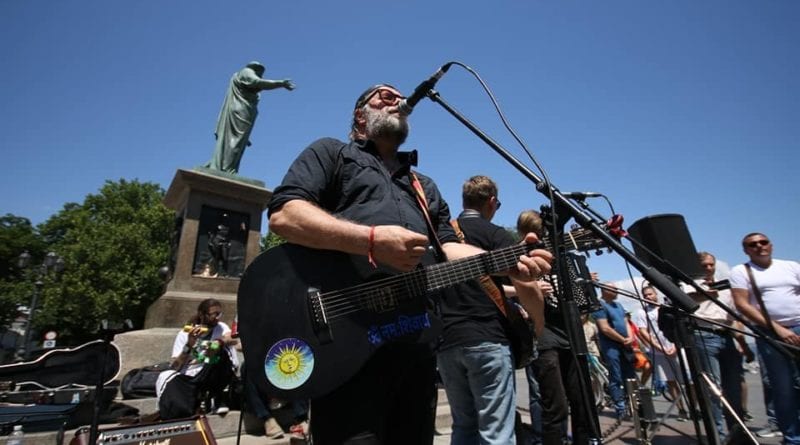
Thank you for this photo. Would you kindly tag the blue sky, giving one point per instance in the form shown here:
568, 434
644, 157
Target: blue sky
666, 107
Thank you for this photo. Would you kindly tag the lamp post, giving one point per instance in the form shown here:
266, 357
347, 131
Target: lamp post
51, 263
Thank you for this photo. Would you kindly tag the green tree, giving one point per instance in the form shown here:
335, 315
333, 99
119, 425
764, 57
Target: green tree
271, 240
113, 245
17, 235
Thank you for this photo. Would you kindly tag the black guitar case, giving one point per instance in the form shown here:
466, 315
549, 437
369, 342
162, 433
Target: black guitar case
48, 392
60, 367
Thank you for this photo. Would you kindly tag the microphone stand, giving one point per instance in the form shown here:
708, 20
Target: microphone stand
107, 331
573, 327
688, 362
587, 220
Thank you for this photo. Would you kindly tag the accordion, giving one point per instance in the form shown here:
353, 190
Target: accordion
583, 291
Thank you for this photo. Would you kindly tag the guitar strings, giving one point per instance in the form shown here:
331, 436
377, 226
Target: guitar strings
414, 282
341, 303
407, 288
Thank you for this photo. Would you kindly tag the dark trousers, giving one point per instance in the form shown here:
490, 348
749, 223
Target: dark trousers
557, 374
392, 400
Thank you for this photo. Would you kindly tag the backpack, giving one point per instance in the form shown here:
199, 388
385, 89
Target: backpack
140, 383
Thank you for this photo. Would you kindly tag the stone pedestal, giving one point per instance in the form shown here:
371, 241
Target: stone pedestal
204, 202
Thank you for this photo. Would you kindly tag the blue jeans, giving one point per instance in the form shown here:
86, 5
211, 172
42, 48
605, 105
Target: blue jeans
719, 357
479, 382
785, 382
767, 389
619, 370
535, 402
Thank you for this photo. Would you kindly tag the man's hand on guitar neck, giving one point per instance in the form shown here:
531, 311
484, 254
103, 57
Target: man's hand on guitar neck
534, 265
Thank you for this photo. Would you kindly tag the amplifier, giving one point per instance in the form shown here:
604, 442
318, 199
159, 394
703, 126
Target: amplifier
192, 431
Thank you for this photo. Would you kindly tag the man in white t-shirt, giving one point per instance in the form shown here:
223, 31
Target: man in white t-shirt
778, 282
717, 345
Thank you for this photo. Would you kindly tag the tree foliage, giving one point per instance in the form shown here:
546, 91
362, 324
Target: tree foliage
17, 235
270, 240
113, 245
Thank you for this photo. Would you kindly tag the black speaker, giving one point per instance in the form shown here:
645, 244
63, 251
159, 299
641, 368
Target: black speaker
668, 238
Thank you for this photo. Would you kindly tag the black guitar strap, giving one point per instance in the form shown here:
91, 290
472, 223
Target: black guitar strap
757, 293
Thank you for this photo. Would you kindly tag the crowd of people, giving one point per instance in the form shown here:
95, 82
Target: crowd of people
363, 197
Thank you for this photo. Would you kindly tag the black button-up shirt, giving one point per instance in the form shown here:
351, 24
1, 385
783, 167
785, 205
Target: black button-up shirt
350, 181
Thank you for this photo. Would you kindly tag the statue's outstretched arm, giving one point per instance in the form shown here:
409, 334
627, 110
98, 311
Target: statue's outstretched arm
266, 84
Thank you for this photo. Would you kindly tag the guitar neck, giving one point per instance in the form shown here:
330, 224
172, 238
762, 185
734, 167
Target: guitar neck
442, 275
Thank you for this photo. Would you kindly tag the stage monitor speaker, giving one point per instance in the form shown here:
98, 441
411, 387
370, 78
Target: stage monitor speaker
667, 237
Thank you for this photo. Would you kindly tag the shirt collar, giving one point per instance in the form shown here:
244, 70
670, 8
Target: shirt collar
406, 159
470, 213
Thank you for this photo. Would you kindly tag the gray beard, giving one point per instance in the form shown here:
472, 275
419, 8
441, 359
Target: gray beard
381, 125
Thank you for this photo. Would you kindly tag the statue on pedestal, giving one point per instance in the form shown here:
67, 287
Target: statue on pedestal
220, 246
238, 114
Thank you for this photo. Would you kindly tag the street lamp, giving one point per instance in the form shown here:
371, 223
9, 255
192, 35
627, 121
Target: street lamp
51, 263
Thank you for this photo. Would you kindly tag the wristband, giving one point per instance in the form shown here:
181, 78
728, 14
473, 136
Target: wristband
370, 247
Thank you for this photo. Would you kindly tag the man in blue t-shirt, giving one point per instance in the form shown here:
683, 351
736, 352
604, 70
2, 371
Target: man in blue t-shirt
615, 346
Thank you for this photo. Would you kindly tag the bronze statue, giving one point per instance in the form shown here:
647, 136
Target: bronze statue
238, 114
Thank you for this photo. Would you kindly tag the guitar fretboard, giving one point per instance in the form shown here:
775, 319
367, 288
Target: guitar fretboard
414, 284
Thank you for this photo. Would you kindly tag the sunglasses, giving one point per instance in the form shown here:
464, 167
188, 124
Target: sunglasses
498, 203
761, 242
214, 314
386, 96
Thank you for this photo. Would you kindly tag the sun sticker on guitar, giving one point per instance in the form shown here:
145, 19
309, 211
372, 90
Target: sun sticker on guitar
289, 363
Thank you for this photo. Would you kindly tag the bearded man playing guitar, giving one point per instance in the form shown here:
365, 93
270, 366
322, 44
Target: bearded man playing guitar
361, 198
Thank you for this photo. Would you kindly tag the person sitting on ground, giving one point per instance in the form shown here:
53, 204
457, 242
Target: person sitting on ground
203, 352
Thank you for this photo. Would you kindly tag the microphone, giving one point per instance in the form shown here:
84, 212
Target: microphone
582, 195
407, 105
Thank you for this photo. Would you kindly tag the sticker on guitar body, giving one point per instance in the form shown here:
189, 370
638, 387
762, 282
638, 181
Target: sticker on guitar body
289, 363
403, 326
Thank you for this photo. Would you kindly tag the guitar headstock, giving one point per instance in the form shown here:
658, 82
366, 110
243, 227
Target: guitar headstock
583, 240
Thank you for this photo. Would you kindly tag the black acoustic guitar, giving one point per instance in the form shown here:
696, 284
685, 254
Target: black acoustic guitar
309, 319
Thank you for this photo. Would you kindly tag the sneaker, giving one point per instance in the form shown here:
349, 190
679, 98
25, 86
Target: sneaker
682, 416
272, 429
218, 407
769, 431
747, 417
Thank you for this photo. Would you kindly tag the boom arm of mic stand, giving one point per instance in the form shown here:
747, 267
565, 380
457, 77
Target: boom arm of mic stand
655, 277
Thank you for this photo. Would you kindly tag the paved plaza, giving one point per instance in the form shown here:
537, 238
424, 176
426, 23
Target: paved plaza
670, 431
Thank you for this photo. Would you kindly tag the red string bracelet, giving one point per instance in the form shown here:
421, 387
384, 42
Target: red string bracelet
371, 246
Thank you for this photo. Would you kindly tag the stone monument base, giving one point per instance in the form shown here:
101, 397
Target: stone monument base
144, 347
175, 308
